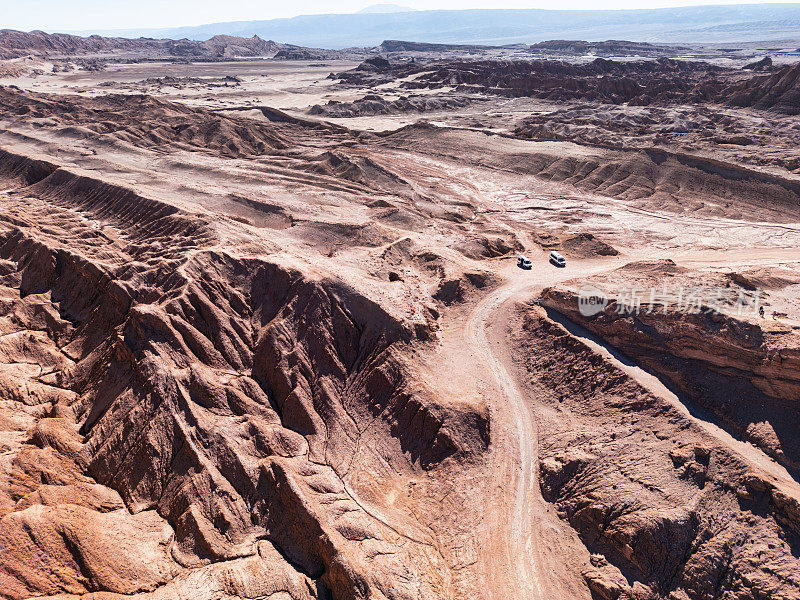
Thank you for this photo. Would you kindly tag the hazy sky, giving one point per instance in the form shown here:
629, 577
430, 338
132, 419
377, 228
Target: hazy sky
79, 15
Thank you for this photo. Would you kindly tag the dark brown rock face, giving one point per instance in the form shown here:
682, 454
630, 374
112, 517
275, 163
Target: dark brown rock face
177, 413
727, 365
601, 80
779, 91
664, 508
765, 64
657, 82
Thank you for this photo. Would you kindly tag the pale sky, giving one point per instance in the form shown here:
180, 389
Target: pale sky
82, 15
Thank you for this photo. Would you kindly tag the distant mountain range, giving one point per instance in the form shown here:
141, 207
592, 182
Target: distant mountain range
384, 9
695, 24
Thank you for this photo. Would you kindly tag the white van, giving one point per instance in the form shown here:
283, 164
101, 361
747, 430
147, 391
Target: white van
523, 262
557, 259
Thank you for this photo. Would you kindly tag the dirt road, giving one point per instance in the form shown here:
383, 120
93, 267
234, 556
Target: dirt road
520, 550
530, 523
529, 558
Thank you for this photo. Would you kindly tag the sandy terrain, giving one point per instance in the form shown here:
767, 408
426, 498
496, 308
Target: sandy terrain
253, 350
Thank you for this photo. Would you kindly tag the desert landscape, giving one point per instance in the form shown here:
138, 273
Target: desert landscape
264, 333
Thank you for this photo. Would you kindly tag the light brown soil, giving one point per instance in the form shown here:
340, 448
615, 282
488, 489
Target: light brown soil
249, 354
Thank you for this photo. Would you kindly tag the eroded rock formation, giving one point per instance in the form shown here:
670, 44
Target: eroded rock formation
664, 508
169, 407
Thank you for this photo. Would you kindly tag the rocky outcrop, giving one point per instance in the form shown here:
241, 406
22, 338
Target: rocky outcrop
605, 48
602, 80
779, 91
665, 510
765, 64
377, 70
587, 245
404, 46
18, 43
660, 82
146, 122
745, 373
291, 52
20, 171
372, 104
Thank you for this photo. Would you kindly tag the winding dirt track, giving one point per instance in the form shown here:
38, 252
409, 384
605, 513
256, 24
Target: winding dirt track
530, 562
528, 557
521, 549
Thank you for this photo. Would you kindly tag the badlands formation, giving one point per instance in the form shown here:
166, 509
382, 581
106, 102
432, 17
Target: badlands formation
263, 334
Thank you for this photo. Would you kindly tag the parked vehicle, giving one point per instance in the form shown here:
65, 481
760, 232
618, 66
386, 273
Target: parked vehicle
523, 262
557, 259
